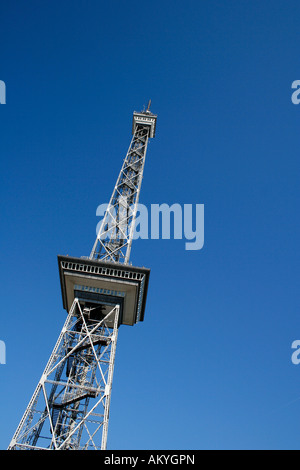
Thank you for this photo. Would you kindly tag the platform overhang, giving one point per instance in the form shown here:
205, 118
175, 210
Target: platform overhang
106, 284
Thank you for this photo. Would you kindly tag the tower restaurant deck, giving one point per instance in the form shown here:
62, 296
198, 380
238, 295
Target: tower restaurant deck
105, 284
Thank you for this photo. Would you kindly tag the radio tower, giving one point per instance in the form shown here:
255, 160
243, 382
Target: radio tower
69, 409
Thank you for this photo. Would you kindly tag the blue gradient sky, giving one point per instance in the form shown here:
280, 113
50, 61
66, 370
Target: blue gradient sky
210, 367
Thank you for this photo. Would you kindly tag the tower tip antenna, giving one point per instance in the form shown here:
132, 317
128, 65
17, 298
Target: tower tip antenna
149, 104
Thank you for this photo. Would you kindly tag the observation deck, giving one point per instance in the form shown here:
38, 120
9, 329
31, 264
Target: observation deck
102, 285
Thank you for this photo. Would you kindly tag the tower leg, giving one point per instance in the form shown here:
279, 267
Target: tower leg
70, 406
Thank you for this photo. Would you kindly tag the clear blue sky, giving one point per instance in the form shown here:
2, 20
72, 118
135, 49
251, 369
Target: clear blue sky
210, 367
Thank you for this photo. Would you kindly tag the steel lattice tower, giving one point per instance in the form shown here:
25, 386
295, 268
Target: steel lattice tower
69, 409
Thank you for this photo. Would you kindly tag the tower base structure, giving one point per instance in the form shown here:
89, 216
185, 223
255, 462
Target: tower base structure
70, 406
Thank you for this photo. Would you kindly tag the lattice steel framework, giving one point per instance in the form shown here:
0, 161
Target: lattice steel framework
114, 239
69, 409
61, 412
